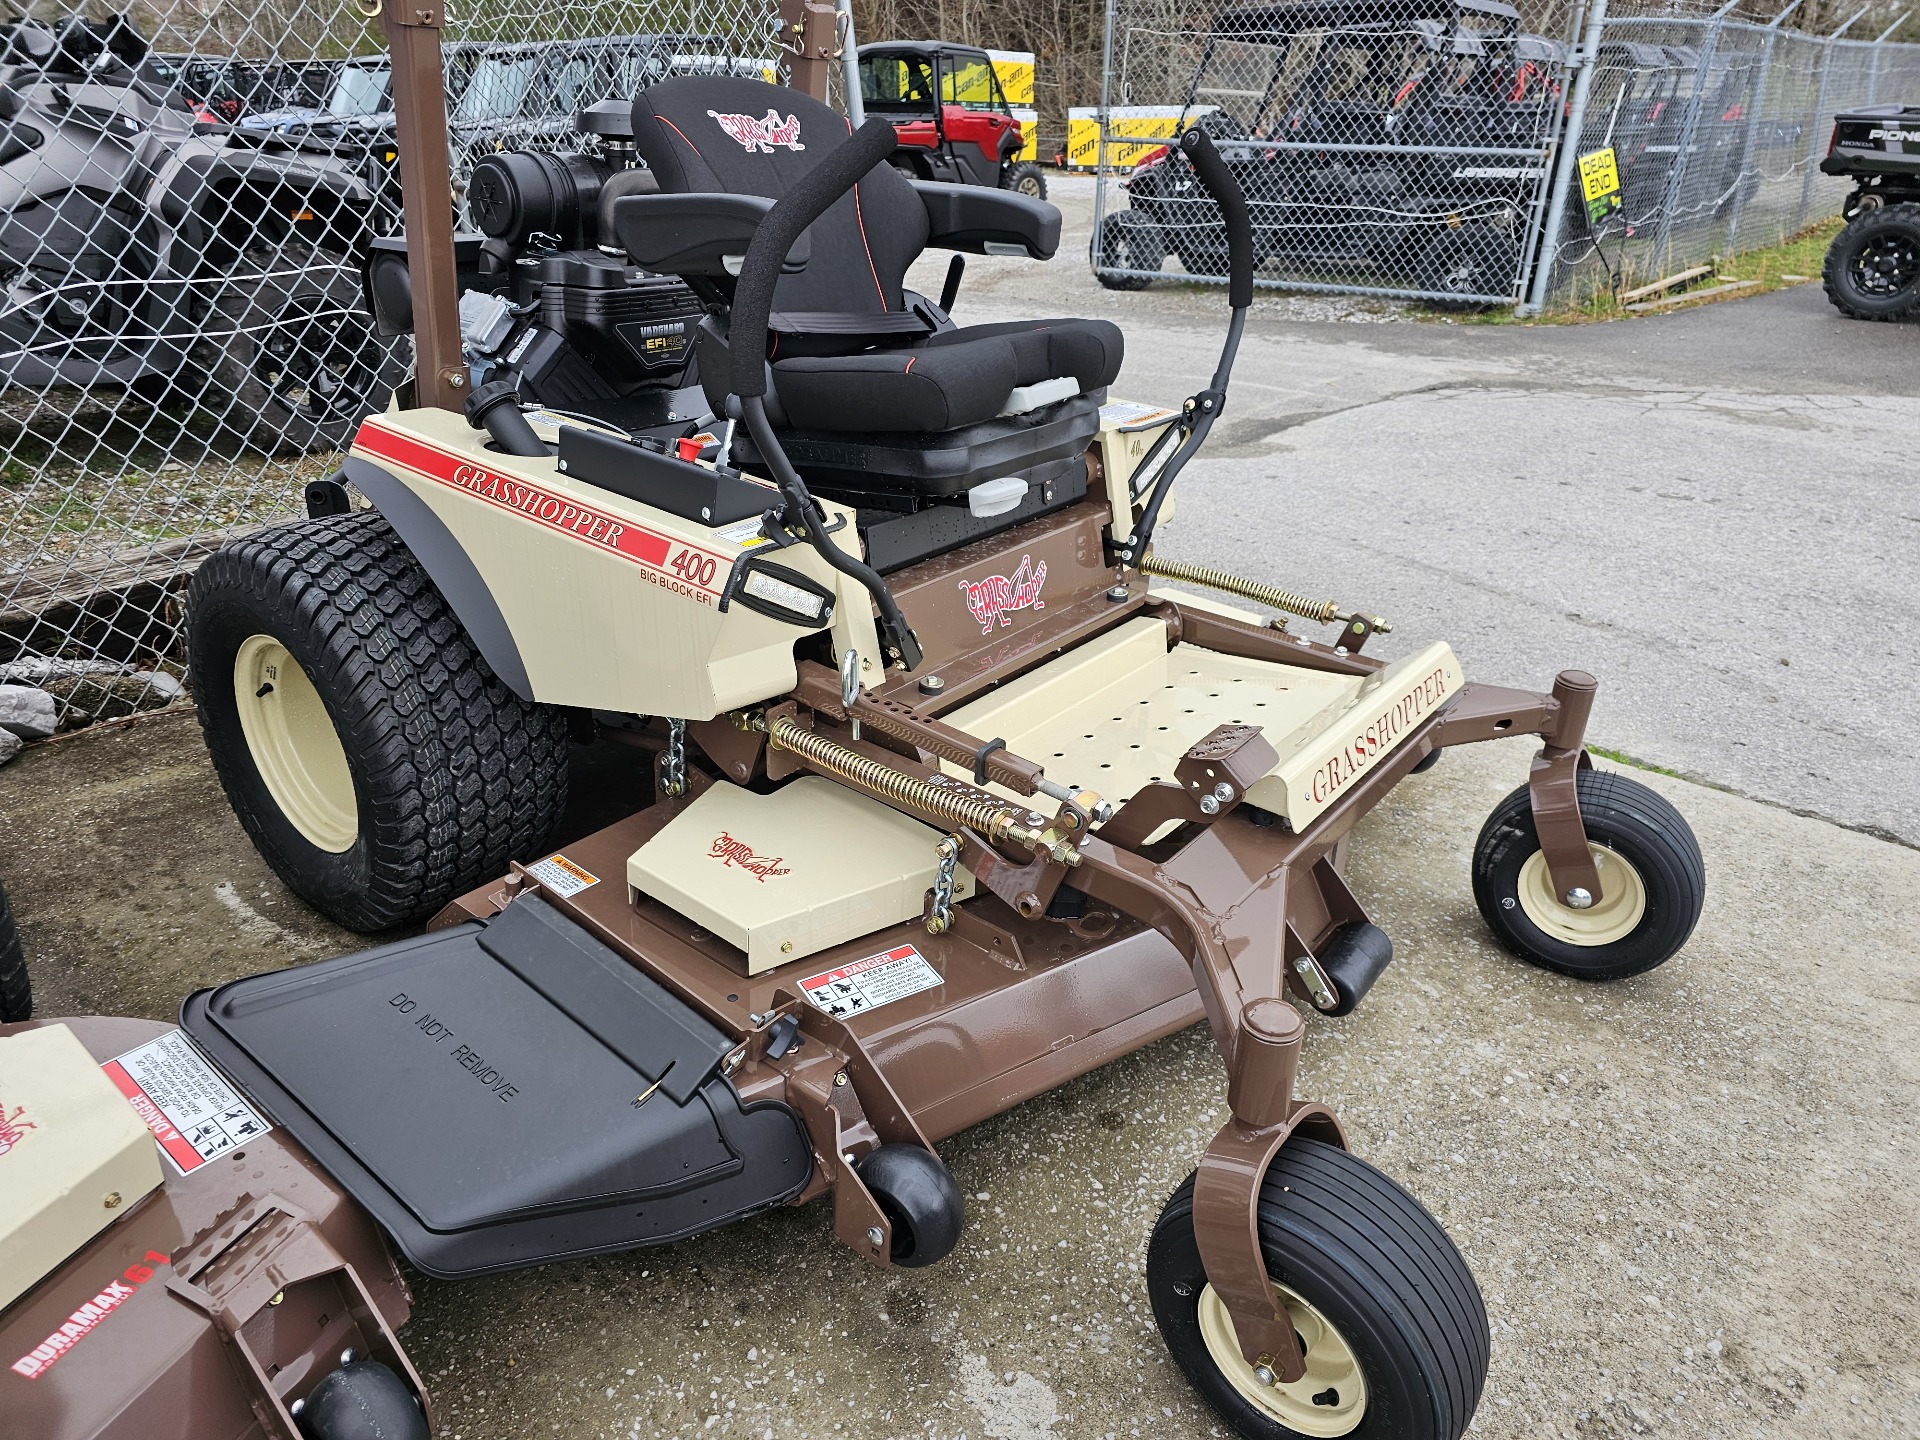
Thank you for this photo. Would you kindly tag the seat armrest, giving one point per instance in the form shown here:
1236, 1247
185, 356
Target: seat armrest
989, 222
695, 234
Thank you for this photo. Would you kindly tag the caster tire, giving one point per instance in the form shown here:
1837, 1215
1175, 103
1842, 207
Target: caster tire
1025, 178
1393, 1324
1872, 269
376, 762
16, 993
1427, 762
1129, 241
1652, 879
362, 1401
921, 1200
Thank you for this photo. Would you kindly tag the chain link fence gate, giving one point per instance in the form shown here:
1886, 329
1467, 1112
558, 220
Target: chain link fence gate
188, 193
1386, 147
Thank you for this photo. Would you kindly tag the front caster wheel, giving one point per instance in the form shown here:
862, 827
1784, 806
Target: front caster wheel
921, 1200
362, 1400
1652, 880
1391, 1322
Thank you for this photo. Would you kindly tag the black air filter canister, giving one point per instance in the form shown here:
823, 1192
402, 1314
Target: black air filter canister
519, 194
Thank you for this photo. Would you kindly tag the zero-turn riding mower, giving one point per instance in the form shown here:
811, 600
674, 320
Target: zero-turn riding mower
951, 802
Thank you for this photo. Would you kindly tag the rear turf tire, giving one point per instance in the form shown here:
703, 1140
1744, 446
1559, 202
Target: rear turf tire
1395, 1330
1652, 878
16, 993
1872, 269
376, 762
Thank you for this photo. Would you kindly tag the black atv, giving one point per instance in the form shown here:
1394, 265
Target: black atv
1367, 80
1872, 270
142, 247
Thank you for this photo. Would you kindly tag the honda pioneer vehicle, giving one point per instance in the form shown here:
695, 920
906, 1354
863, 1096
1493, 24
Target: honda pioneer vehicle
144, 249
950, 801
1872, 270
950, 114
1364, 79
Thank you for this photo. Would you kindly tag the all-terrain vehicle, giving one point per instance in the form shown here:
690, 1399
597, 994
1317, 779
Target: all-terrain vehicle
143, 248
1872, 270
950, 801
1352, 127
950, 114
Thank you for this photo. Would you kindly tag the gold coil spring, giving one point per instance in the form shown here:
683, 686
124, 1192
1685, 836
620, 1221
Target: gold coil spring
951, 808
1323, 612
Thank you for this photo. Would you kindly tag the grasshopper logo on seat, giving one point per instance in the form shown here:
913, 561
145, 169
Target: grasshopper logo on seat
761, 135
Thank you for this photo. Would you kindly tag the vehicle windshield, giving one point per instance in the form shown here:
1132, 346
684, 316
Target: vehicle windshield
897, 82
497, 90
360, 90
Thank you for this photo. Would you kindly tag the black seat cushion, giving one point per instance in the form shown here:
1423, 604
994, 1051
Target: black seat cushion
958, 377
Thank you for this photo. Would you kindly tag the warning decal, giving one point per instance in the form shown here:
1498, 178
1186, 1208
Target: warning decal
562, 876
870, 983
192, 1112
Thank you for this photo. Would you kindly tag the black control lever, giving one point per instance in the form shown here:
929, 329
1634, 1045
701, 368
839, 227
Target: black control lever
1201, 410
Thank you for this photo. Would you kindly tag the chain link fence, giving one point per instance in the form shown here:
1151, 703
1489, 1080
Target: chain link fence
1408, 147
188, 193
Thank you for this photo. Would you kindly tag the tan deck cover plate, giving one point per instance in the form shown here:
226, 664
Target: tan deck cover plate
73, 1156
786, 875
1119, 712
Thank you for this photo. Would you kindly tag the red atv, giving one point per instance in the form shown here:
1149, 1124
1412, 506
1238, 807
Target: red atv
950, 113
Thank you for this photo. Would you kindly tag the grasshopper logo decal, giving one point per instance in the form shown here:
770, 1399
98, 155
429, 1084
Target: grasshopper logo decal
761, 135
996, 597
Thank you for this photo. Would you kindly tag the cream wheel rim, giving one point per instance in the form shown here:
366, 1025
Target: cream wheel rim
294, 745
1329, 1399
1623, 901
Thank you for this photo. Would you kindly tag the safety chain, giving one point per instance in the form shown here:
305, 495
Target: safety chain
673, 765
940, 918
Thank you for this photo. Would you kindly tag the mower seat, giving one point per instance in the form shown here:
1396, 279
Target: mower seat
853, 356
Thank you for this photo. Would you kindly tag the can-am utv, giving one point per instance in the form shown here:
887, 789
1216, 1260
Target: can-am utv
950, 803
950, 114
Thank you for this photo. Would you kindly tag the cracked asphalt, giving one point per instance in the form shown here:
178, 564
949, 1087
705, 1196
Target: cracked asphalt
1689, 1197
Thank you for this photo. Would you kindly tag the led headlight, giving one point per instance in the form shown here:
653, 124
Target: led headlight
785, 595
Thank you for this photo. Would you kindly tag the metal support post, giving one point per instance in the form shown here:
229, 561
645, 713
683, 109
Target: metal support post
1101, 120
850, 66
1879, 42
426, 189
1566, 168
1672, 199
1818, 127
1757, 109
807, 30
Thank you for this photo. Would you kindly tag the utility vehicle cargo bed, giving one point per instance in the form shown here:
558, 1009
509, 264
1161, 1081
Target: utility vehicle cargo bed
504, 1094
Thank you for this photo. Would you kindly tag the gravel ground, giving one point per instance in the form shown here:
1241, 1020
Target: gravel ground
1688, 1197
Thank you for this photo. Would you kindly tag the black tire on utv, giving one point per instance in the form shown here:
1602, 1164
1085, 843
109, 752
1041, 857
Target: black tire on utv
1872, 270
294, 360
1025, 178
16, 992
375, 760
1471, 261
1394, 1329
1129, 241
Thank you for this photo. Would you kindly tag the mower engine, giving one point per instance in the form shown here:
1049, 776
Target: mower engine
228, 1292
547, 295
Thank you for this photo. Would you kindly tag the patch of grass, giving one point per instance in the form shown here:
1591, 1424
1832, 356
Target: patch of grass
1620, 757
1799, 256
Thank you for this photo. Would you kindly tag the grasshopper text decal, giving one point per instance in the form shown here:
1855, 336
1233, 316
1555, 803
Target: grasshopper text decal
761, 135
996, 597
737, 854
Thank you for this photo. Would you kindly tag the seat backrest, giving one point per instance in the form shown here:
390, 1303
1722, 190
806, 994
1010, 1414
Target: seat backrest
706, 133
